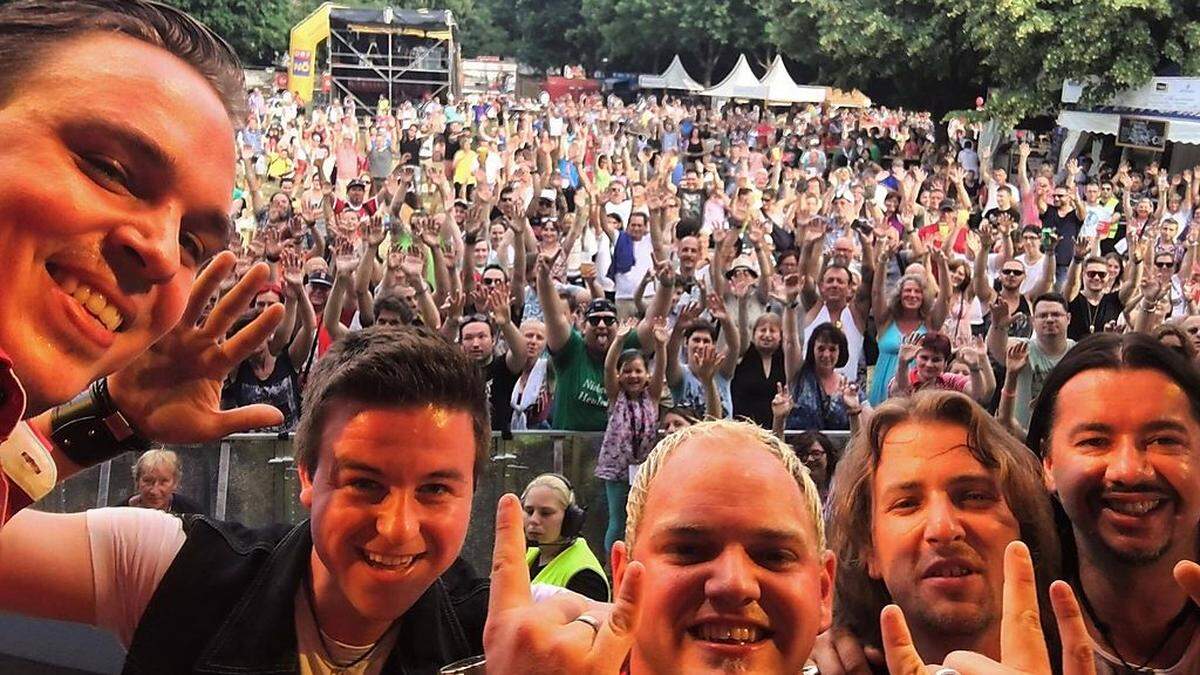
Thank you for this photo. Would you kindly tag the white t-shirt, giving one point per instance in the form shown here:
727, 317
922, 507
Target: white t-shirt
627, 282
1033, 273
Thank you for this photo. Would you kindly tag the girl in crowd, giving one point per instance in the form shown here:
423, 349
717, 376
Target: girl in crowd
558, 554
633, 395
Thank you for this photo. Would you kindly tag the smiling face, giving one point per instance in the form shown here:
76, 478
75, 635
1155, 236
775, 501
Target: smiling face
1095, 276
632, 376
930, 364
939, 527
106, 208
767, 333
912, 295
390, 502
1127, 475
735, 583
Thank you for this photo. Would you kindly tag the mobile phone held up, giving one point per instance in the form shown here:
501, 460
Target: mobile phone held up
1047, 239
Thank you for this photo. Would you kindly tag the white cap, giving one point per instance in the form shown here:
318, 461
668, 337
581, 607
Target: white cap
549, 194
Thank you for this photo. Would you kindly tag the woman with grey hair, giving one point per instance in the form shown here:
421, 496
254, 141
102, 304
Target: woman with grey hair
156, 476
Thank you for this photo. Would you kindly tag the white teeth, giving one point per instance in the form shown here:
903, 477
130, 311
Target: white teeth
389, 560
93, 301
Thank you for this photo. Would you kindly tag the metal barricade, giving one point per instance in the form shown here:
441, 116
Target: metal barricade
251, 479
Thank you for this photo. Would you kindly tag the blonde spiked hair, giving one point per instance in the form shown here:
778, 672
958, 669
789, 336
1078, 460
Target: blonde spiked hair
746, 433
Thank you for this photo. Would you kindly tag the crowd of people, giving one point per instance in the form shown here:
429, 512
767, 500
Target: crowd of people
1014, 355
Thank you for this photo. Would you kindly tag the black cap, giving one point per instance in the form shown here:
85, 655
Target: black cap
320, 278
948, 205
600, 305
356, 183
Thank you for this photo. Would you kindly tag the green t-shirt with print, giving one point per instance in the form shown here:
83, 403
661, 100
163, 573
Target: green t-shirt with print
580, 402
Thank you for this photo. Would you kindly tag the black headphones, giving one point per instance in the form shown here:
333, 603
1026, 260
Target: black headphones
573, 516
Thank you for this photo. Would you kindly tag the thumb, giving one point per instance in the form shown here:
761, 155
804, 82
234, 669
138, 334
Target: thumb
615, 637
245, 418
899, 652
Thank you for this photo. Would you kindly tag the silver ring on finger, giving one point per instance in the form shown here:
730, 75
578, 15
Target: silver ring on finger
593, 622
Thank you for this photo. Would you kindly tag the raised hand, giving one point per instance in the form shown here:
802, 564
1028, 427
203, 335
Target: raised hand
1017, 356
716, 306
661, 332
497, 304
1001, 315
546, 639
792, 284
373, 230
1083, 246
412, 264
292, 268
172, 392
850, 395
627, 326
689, 314
972, 353
707, 360
1022, 645
782, 403
345, 257
911, 346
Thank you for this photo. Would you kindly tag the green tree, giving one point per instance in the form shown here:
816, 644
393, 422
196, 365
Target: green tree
940, 54
645, 33
257, 29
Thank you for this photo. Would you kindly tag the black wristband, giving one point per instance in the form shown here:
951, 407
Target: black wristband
89, 429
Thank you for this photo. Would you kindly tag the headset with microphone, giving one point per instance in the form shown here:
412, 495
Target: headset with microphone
573, 516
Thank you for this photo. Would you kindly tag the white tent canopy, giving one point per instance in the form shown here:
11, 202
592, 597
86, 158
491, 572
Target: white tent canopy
674, 77
739, 83
781, 88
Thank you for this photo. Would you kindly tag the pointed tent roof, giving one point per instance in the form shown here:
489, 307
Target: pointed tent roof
781, 88
739, 83
674, 77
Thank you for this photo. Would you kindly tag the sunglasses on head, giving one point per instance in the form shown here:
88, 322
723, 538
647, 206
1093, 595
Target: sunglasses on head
606, 319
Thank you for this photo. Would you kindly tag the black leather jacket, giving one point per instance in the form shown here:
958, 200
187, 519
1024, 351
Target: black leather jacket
227, 603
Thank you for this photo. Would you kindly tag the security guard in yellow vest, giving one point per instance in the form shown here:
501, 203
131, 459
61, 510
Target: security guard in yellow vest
558, 555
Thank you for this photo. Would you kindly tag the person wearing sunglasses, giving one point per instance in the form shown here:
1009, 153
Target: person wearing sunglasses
1064, 215
1092, 306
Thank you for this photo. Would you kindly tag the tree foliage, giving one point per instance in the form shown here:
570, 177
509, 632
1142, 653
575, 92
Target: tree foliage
945, 52
257, 29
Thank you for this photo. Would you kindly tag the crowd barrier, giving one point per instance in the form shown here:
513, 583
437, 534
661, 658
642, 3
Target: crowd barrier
252, 479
